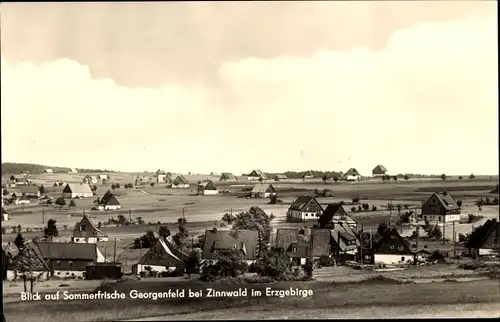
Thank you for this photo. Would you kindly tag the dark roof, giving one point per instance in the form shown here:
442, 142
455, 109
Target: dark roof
180, 179
379, 169
352, 172
281, 176
330, 211
481, 234
391, 234
69, 251
163, 254
289, 238
227, 176
301, 202
321, 242
24, 197
109, 199
257, 173
207, 185
29, 258
4, 211
246, 240
446, 200
263, 188
91, 227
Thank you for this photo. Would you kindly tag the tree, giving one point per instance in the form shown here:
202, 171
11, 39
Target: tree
94, 188
164, 232
460, 177
399, 207
443, 177
193, 262
472, 176
41, 189
228, 263
324, 178
145, 241
228, 218
335, 179
390, 206
459, 203
260, 179
5, 192
382, 229
384, 179
51, 230
255, 219
152, 184
366, 206
19, 241
113, 186
139, 220
395, 178
273, 199
356, 200
121, 219
72, 203
60, 201
407, 178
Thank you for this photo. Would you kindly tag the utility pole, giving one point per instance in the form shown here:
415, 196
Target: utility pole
454, 242
43, 217
114, 252
444, 229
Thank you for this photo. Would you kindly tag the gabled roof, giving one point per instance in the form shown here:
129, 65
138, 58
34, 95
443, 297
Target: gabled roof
162, 253
24, 197
90, 224
302, 201
257, 173
281, 176
263, 188
159, 171
29, 258
300, 239
4, 211
446, 200
308, 174
227, 176
479, 236
207, 185
352, 172
68, 251
245, 240
180, 179
109, 199
78, 188
341, 234
379, 169
334, 212
393, 234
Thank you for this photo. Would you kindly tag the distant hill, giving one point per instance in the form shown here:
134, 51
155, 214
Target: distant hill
16, 168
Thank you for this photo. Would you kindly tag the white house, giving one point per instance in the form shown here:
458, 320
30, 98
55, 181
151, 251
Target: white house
379, 171
263, 190
81, 190
180, 182
109, 202
160, 176
49, 171
5, 215
393, 249
441, 207
20, 199
352, 175
305, 208
103, 177
162, 257
86, 232
256, 175
90, 179
206, 188
73, 170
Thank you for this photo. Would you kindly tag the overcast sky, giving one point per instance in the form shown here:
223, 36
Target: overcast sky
230, 87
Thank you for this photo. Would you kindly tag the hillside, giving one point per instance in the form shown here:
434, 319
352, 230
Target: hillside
16, 168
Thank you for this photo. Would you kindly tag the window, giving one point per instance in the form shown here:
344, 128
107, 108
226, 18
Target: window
439, 218
425, 217
294, 249
391, 247
403, 259
82, 228
400, 247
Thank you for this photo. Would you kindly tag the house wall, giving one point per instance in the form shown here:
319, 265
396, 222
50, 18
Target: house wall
210, 192
138, 268
100, 256
76, 194
486, 251
393, 259
62, 273
161, 177
23, 202
180, 186
253, 178
305, 215
109, 207
352, 178
440, 218
88, 240
11, 275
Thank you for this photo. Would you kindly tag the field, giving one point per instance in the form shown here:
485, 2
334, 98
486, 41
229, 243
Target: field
159, 204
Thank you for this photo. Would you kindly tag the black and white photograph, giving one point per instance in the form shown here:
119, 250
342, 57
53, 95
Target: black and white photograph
249, 160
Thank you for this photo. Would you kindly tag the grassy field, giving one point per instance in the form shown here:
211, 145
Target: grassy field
327, 296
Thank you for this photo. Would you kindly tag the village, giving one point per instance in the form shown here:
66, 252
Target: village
311, 233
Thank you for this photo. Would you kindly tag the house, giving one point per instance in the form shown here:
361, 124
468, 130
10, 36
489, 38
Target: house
33, 192
160, 176
352, 175
86, 232
335, 214
295, 243
392, 249
219, 240
19, 198
206, 188
49, 171
109, 202
257, 175
103, 177
142, 180
90, 179
5, 215
72, 190
379, 171
305, 208
161, 257
263, 190
344, 241
280, 177
70, 259
226, 176
22, 181
73, 170
27, 259
485, 239
180, 182
441, 207
308, 175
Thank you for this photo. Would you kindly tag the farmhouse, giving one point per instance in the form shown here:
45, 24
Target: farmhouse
485, 240
28, 259
344, 241
103, 177
379, 171
33, 192
70, 259
220, 240
257, 174
180, 182
49, 171
441, 207
90, 179
226, 176
352, 175
22, 181
5, 215
81, 190
308, 175
109, 202
263, 190
280, 177
142, 180
73, 170
161, 257
393, 249
296, 242
335, 214
86, 232
206, 188
305, 208
160, 176
19, 199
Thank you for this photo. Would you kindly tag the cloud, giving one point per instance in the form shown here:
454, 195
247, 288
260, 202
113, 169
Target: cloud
427, 102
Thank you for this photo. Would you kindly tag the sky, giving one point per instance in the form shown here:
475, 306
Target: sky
228, 87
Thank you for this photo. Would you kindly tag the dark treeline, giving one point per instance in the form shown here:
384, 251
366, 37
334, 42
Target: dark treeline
16, 168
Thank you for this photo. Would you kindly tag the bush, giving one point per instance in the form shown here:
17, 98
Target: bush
374, 208
228, 263
356, 200
353, 209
